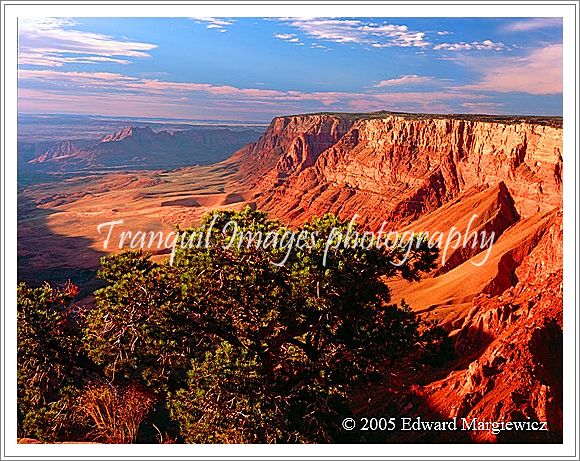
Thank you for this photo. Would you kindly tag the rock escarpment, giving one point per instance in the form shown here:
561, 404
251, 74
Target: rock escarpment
510, 348
141, 147
399, 167
433, 173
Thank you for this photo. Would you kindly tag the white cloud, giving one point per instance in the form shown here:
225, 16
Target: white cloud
290, 38
284, 36
444, 32
63, 78
533, 24
405, 80
56, 60
320, 47
486, 45
218, 24
357, 31
52, 41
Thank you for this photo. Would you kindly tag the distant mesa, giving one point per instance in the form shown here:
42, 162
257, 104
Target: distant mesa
139, 148
128, 132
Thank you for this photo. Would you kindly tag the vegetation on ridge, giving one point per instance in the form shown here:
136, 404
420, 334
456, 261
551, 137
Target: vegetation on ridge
222, 346
552, 121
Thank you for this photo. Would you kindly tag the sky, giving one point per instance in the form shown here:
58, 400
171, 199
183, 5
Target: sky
252, 69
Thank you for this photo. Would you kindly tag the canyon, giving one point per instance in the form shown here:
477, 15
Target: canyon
416, 172
137, 147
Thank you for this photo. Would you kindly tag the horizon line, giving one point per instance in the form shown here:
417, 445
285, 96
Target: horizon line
268, 121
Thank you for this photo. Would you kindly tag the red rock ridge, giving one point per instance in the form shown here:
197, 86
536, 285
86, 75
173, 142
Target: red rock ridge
423, 173
128, 132
290, 145
398, 167
511, 351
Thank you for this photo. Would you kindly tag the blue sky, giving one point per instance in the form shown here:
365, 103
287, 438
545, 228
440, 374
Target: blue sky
256, 68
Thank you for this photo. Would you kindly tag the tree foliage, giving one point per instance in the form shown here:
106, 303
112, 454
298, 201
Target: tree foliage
254, 336
49, 364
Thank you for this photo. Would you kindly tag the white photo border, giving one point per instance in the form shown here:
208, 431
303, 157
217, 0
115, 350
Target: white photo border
11, 10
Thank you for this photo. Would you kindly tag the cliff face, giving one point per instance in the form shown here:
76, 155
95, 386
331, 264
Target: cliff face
59, 152
432, 174
290, 145
510, 348
398, 168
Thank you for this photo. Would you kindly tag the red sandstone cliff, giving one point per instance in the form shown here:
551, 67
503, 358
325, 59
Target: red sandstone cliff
433, 173
398, 167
